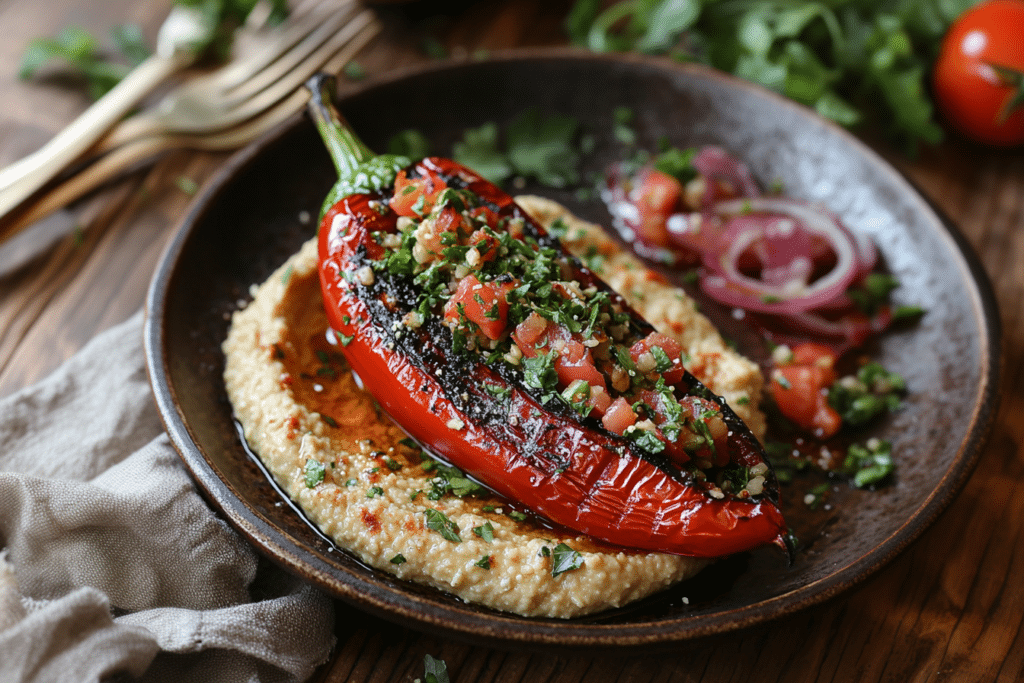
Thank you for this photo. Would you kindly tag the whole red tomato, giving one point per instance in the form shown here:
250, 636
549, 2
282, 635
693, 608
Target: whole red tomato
979, 76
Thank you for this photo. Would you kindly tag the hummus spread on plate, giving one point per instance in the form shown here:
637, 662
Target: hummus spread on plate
376, 495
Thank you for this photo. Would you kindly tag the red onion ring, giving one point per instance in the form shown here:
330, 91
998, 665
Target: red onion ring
727, 284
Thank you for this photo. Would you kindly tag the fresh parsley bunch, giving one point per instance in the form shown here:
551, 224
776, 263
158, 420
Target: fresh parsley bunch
853, 61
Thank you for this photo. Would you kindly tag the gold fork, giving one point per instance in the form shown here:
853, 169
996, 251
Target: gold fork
260, 51
145, 142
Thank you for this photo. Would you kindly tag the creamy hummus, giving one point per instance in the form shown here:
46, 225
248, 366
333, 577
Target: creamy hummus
350, 469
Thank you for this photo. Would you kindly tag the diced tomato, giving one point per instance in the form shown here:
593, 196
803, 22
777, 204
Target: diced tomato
576, 362
619, 416
599, 400
708, 413
483, 303
450, 220
656, 198
438, 232
487, 245
529, 332
819, 355
408, 192
485, 214
800, 393
672, 348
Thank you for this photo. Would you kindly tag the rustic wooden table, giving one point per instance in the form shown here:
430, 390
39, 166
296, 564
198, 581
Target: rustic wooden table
951, 607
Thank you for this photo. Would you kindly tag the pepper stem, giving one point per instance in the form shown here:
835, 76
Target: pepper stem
347, 151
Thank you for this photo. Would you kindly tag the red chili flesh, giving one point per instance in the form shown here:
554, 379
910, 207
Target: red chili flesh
562, 466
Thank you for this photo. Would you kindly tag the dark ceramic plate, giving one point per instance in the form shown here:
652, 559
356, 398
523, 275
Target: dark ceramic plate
248, 220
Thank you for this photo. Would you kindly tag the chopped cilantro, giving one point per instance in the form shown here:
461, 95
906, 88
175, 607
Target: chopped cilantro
398, 559
662, 362
480, 150
485, 531
871, 393
484, 562
541, 146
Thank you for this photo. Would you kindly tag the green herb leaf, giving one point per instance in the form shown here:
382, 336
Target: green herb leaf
409, 143
480, 151
539, 373
434, 670
853, 61
448, 479
870, 463
437, 521
485, 531
540, 146
315, 472
564, 559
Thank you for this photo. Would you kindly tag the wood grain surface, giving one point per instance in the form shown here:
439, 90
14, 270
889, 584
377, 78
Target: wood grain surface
950, 608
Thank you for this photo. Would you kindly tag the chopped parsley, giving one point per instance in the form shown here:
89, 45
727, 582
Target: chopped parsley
564, 559
539, 373
870, 463
450, 480
485, 531
437, 521
861, 398
315, 472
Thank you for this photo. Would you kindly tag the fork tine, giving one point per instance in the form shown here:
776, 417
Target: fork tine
210, 88
251, 59
285, 62
139, 150
298, 75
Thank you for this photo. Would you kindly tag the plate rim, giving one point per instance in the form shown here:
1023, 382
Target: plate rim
495, 627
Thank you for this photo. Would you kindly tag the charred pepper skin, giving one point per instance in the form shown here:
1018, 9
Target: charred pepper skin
484, 420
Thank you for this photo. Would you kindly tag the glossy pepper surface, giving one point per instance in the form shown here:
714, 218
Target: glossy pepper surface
537, 448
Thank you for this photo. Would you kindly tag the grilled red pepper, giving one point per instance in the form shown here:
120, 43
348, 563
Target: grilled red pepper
483, 338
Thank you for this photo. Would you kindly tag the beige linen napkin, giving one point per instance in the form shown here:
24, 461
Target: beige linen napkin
112, 563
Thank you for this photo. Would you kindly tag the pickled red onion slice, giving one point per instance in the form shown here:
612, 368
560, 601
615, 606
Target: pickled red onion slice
782, 232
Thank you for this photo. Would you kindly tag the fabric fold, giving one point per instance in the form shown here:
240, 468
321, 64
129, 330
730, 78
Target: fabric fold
112, 562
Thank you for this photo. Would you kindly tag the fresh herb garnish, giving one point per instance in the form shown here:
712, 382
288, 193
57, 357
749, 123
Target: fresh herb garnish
564, 559
102, 70
851, 60
870, 463
861, 398
315, 472
434, 670
485, 531
437, 521
448, 479
539, 373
